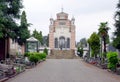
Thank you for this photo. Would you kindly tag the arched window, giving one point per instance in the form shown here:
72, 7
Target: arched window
56, 43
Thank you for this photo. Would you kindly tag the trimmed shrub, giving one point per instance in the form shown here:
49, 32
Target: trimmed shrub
42, 55
112, 60
38, 55
34, 58
46, 51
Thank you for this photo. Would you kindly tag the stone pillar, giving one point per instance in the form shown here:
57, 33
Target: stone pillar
72, 40
51, 40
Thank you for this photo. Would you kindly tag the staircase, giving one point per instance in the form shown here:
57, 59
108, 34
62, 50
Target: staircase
62, 54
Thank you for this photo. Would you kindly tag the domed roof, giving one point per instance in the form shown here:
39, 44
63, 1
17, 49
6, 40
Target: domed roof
62, 13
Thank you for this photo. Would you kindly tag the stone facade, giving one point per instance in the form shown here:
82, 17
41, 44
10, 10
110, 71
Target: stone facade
62, 32
15, 48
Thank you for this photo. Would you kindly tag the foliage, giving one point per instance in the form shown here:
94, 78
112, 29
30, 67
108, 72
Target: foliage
35, 56
94, 43
43, 55
46, 51
107, 39
103, 33
119, 60
112, 60
116, 38
103, 29
27, 54
23, 32
9, 11
104, 55
80, 51
38, 36
92, 53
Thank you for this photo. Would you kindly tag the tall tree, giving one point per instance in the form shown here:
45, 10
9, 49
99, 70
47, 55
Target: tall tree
9, 11
35, 33
38, 36
103, 32
94, 43
23, 32
116, 38
41, 37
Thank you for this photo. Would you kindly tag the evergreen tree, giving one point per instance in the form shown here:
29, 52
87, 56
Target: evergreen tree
116, 38
35, 33
23, 32
41, 37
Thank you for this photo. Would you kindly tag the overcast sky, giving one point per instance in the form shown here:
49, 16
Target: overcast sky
88, 14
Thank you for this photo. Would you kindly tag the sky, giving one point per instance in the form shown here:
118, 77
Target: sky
88, 14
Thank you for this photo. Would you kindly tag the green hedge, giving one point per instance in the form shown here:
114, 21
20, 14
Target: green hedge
42, 55
112, 60
35, 56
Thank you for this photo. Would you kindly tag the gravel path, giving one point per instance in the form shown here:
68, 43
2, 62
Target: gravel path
65, 70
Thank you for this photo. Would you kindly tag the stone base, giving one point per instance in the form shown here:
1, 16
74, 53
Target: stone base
62, 54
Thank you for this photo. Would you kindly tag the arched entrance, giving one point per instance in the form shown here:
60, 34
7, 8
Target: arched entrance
62, 42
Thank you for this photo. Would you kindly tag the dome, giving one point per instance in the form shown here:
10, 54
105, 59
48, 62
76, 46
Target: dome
62, 15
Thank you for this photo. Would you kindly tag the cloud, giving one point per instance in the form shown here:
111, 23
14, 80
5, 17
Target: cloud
88, 14
90, 23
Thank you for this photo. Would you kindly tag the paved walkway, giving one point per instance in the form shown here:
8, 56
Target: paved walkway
65, 70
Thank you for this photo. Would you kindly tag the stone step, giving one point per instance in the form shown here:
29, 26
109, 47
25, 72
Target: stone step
62, 54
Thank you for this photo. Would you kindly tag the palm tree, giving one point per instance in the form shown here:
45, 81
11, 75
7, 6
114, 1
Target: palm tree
103, 32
